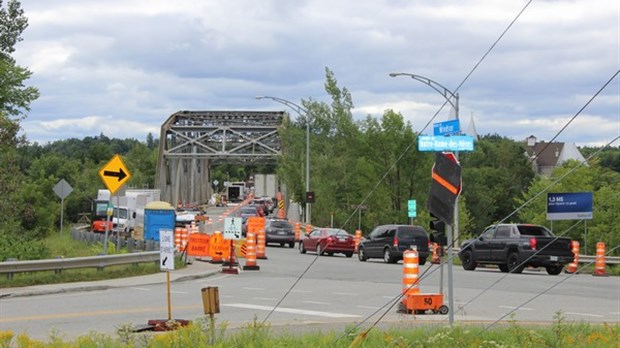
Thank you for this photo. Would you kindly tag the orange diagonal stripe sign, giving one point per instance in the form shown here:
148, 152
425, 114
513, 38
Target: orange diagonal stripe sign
443, 182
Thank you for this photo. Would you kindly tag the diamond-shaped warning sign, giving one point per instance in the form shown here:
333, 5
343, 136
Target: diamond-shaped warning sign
114, 174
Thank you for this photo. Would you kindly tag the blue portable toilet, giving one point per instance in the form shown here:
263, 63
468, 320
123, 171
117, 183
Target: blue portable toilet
157, 215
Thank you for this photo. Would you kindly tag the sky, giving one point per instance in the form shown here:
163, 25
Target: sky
122, 67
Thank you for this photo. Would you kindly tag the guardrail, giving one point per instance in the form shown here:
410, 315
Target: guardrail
100, 262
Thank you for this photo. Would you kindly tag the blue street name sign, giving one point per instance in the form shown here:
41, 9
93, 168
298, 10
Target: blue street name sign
447, 127
450, 143
569, 206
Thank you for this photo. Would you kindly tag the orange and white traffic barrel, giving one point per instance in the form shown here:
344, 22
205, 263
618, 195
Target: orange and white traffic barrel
177, 239
297, 231
410, 272
308, 228
435, 258
573, 266
260, 245
184, 238
599, 265
250, 253
357, 239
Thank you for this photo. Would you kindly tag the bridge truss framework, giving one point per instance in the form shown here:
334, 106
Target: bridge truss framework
191, 141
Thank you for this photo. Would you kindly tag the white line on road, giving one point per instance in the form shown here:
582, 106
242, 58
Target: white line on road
317, 302
291, 310
585, 314
178, 292
518, 308
345, 293
258, 289
141, 289
368, 307
265, 298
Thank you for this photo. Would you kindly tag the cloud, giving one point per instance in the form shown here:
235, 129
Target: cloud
140, 61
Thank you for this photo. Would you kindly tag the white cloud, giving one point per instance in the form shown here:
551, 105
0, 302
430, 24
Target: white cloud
142, 60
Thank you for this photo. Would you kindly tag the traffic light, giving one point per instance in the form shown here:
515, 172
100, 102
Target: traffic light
439, 236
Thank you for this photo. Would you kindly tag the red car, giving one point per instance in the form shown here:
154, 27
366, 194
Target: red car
328, 241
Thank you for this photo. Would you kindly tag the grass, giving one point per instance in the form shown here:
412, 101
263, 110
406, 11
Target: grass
63, 245
203, 333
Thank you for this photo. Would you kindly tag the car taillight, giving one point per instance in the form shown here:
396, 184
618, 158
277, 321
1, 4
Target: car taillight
395, 242
533, 243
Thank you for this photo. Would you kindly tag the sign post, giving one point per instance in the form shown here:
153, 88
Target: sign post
62, 190
166, 260
232, 231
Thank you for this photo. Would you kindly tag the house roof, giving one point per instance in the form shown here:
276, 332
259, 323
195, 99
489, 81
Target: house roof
548, 154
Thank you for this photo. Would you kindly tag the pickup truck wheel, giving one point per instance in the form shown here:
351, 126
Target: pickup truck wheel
361, 254
554, 270
514, 263
467, 260
387, 256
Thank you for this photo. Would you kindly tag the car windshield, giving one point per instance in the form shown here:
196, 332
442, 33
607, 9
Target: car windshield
248, 211
280, 224
335, 232
531, 230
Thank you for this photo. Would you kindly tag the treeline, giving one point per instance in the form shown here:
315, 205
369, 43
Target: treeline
375, 163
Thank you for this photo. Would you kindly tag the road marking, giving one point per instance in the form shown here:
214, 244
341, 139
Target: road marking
517, 308
345, 293
178, 292
291, 310
265, 298
141, 289
368, 307
585, 314
317, 302
257, 289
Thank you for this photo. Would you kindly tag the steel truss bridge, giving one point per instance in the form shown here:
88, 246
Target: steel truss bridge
192, 141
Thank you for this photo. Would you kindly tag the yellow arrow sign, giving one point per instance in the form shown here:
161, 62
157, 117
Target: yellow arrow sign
114, 174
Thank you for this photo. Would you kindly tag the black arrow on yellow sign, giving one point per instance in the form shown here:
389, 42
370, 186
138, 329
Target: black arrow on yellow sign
120, 174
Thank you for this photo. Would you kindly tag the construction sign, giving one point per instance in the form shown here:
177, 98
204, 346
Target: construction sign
217, 247
114, 174
198, 245
256, 223
240, 248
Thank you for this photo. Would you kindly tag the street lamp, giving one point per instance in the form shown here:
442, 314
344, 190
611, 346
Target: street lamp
301, 112
449, 96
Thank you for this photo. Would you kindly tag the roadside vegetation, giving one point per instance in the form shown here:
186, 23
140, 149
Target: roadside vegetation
61, 245
200, 334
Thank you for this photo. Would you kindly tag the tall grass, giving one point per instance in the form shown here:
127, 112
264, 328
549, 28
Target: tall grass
257, 335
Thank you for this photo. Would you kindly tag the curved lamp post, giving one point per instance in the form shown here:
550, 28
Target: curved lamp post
301, 112
449, 96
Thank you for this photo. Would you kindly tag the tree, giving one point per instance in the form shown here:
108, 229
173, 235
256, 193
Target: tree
15, 99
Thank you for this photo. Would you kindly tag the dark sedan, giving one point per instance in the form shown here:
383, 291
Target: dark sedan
279, 231
328, 241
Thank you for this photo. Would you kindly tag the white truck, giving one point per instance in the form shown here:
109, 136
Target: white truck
128, 212
265, 185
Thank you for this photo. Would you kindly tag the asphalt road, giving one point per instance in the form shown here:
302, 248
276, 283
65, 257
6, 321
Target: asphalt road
293, 291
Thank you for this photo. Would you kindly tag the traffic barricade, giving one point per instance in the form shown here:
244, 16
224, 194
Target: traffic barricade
599, 265
216, 246
260, 245
410, 272
250, 255
435, 256
358, 239
297, 230
573, 266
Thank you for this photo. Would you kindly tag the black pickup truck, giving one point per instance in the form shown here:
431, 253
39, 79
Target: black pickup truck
512, 247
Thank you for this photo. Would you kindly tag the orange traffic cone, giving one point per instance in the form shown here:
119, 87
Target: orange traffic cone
250, 254
297, 231
435, 259
358, 238
599, 267
260, 245
574, 266
410, 273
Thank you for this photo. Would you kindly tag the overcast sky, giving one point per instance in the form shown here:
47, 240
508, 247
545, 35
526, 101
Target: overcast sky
122, 67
